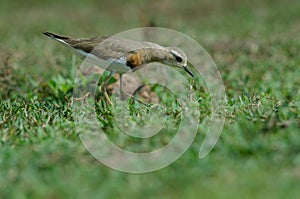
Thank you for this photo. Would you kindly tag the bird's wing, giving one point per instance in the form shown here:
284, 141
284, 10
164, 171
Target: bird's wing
101, 50
102, 47
116, 47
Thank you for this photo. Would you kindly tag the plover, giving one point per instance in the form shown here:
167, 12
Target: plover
123, 55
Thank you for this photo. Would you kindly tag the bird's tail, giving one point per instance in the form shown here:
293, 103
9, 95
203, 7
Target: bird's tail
57, 37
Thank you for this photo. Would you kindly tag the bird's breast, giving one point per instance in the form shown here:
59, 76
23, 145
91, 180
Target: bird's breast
135, 60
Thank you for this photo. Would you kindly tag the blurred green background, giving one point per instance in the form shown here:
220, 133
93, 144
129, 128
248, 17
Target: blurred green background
255, 44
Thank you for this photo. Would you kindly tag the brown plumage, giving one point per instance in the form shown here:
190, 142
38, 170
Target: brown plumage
129, 53
122, 55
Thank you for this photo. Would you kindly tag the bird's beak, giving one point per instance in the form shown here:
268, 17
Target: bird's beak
186, 68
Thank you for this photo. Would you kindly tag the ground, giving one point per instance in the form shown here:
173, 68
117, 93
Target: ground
256, 47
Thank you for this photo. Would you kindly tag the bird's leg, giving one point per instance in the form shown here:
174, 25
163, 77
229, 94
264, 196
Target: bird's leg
104, 85
122, 92
121, 88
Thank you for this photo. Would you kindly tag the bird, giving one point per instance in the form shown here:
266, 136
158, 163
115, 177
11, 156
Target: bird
123, 55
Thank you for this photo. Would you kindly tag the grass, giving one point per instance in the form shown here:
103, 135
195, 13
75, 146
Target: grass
256, 46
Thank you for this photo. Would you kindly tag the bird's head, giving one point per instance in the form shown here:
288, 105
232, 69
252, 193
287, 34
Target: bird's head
177, 58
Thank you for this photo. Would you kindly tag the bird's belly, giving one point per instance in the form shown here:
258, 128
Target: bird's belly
116, 65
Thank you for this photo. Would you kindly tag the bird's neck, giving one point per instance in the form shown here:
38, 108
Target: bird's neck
154, 55
146, 55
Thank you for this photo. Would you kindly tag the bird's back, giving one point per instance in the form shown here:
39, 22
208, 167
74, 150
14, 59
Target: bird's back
103, 47
113, 47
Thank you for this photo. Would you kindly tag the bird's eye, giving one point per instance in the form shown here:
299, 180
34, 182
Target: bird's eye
179, 59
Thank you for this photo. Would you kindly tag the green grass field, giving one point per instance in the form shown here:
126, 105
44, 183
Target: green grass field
256, 46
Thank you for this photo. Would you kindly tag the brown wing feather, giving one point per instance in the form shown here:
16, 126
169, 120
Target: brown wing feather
102, 47
108, 47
